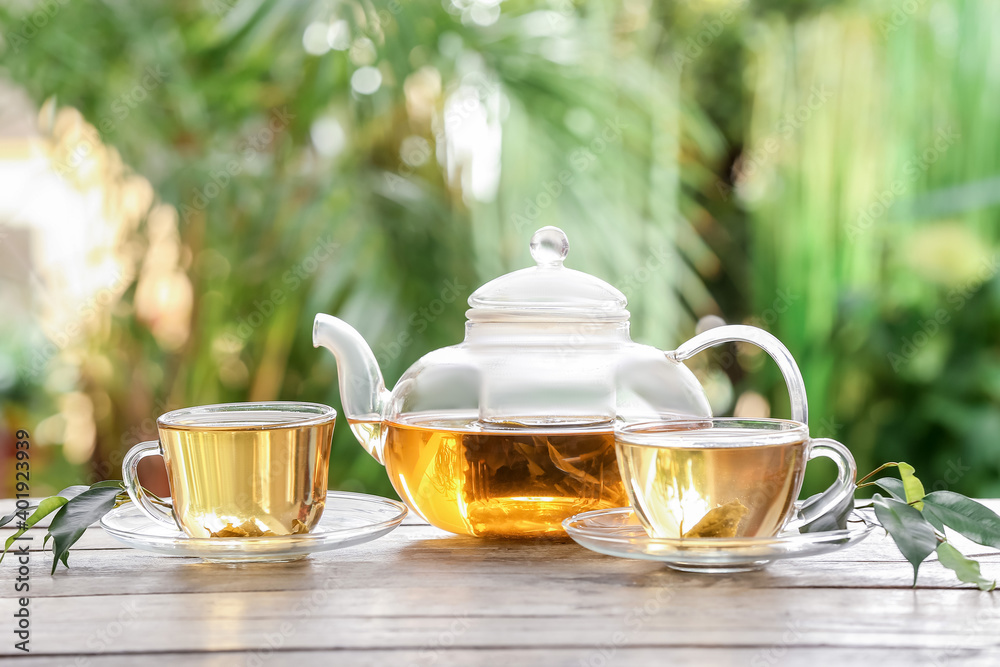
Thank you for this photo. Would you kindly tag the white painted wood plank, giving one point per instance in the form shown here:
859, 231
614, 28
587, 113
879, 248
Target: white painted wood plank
367, 570
923, 620
549, 657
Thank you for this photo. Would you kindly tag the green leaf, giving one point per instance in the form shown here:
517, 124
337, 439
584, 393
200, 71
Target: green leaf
48, 506
109, 483
908, 528
913, 487
45, 508
965, 516
934, 520
71, 492
892, 486
7, 518
74, 519
965, 569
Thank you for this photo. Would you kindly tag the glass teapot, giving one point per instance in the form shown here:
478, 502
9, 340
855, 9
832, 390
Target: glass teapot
511, 431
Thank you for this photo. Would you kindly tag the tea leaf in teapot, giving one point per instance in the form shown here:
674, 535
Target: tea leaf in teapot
722, 521
912, 487
530, 454
566, 464
965, 569
965, 516
908, 528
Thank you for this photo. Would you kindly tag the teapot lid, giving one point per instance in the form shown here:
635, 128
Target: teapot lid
548, 291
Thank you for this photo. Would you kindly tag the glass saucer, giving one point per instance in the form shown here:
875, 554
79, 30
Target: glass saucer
617, 532
348, 519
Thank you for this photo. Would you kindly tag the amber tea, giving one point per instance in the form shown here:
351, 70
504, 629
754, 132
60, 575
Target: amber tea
684, 481
502, 483
246, 473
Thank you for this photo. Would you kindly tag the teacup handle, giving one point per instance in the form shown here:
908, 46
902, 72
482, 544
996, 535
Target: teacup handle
130, 470
840, 491
765, 341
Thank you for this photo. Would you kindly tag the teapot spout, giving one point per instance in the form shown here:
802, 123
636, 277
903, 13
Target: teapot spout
362, 389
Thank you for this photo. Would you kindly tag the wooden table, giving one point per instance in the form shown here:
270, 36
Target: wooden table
422, 597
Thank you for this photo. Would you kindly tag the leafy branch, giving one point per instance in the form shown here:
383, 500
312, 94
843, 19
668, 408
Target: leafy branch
916, 521
76, 507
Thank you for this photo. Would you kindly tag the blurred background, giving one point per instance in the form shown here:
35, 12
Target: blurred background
184, 184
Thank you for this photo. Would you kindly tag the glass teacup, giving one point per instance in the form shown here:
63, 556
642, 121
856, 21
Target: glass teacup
726, 477
239, 469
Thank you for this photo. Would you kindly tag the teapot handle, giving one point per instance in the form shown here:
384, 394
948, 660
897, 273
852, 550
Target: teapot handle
766, 342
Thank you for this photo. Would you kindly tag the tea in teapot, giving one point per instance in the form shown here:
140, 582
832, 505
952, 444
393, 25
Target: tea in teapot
471, 479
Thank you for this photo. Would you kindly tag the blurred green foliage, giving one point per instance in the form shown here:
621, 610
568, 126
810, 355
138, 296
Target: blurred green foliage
752, 144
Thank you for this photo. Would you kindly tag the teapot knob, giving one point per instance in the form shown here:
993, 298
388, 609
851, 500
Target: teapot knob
549, 246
